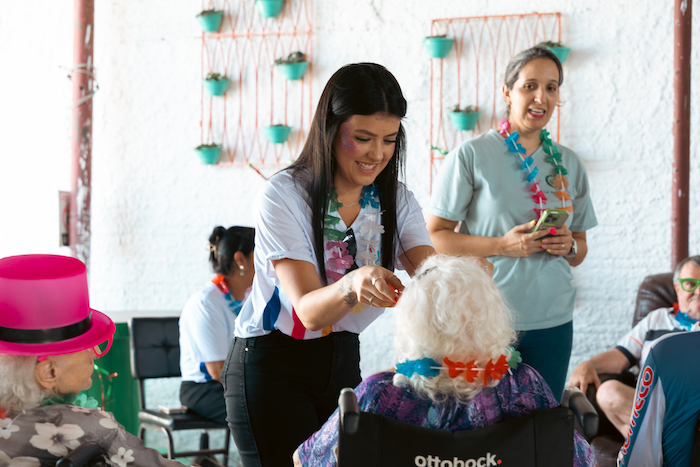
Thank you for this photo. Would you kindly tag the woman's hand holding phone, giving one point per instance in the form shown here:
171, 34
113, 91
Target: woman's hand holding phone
559, 243
521, 242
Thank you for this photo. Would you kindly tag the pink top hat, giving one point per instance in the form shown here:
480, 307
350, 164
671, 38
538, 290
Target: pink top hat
44, 307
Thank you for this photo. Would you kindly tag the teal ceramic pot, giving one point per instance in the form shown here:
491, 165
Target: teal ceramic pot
210, 22
438, 47
293, 71
270, 8
216, 88
464, 121
209, 155
277, 134
560, 52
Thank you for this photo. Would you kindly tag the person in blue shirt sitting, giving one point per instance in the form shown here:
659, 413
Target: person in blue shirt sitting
207, 321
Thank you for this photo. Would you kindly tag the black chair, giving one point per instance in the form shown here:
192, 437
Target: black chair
155, 353
542, 438
88, 454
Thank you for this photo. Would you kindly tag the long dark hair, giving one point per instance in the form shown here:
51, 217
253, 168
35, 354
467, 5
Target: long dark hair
224, 243
356, 89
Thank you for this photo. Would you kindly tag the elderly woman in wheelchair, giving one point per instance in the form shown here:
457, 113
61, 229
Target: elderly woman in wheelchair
456, 369
49, 338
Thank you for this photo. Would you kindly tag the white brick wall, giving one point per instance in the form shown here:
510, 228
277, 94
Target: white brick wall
154, 203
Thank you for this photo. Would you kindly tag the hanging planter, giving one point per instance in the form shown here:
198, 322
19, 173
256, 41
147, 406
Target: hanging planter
557, 49
464, 119
209, 20
294, 66
277, 133
438, 46
209, 153
269, 8
215, 84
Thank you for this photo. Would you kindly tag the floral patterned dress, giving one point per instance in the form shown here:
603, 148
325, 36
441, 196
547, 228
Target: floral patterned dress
42, 435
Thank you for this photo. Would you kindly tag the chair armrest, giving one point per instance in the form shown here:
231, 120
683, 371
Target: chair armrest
587, 416
349, 411
81, 455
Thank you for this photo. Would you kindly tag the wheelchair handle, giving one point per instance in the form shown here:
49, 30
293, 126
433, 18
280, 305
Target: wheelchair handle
349, 411
586, 415
81, 455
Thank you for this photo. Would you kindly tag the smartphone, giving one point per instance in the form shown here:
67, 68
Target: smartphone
551, 219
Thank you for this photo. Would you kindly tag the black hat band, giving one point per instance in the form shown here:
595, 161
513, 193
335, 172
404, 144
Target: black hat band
45, 336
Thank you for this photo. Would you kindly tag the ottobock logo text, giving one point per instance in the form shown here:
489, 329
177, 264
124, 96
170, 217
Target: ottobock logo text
434, 461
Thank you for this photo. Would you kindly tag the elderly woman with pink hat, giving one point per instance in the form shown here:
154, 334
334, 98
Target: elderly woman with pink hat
49, 338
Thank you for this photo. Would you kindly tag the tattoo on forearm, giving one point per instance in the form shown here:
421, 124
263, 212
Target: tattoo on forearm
349, 297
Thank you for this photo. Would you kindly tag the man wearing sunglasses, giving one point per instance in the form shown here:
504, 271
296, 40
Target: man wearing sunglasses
616, 398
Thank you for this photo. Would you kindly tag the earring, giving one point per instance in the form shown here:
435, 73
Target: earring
242, 269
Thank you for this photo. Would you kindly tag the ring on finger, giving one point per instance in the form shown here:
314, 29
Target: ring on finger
370, 299
374, 280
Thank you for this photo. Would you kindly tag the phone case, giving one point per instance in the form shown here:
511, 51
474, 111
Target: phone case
551, 218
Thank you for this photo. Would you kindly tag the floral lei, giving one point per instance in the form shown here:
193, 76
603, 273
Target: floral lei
81, 400
430, 368
684, 320
554, 157
233, 304
341, 261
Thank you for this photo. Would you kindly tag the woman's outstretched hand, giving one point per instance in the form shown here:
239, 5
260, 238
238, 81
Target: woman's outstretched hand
374, 286
521, 242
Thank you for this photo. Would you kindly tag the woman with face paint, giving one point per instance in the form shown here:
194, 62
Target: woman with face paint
497, 185
330, 230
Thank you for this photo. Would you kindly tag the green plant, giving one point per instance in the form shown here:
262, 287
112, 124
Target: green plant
207, 146
207, 12
294, 57
549, 44
440, 36
468, 109
214, 77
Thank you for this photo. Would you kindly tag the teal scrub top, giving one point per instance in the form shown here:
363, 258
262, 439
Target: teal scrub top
480, 183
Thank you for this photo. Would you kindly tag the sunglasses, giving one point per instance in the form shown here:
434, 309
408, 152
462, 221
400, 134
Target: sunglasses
689, 285
99, 349
352, 248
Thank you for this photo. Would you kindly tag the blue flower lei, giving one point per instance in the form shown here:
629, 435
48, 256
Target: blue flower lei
430, 368
553, 157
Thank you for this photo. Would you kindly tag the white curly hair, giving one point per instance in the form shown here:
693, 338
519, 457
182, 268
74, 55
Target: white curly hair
19, 389
452, 308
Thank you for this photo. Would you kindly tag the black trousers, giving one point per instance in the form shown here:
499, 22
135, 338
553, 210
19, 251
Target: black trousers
207, 399
280, 390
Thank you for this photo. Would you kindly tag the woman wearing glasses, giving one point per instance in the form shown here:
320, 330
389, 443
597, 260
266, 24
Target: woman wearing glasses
330, 230
49, 340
